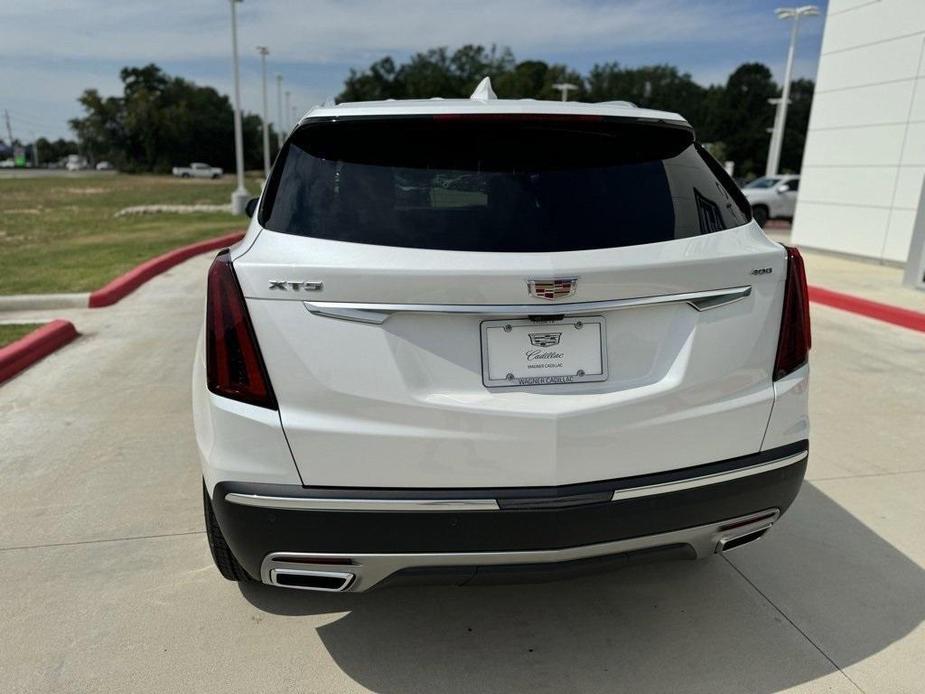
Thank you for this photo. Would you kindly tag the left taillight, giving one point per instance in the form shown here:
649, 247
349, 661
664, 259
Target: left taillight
795, 337
234, 366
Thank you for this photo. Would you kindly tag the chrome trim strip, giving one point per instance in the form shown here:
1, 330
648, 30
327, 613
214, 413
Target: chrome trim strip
379, 313
667, 487
341, 504
322, 504
369, 569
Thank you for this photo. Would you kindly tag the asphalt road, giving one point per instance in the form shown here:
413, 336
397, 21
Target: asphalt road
106, 584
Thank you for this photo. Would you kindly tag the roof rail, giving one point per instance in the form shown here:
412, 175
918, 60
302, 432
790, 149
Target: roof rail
618, 102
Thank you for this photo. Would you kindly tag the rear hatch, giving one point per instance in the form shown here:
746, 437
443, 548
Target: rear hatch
495, 302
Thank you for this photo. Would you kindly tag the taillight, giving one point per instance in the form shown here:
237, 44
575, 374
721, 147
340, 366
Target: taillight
234, 366
795, 339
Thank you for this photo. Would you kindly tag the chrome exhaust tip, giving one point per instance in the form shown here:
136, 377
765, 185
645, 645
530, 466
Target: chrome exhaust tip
727, 544
304, 579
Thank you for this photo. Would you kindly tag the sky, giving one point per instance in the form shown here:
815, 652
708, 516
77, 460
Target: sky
51, 50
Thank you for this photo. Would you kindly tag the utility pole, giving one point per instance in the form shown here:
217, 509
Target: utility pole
9, 130
295, 116
35, 151
288, 113
263, 50
780, 115
240, 195
565, 88
279, 112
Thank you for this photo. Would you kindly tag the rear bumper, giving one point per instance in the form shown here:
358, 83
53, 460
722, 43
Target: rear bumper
464, 536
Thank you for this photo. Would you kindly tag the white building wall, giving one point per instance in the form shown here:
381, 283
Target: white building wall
865, 150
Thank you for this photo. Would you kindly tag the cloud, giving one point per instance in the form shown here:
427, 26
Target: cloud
50, 50
355, 30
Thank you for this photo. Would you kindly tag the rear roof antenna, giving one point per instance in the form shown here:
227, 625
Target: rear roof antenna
484, 92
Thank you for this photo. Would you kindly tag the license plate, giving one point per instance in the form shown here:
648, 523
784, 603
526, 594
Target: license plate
530, 353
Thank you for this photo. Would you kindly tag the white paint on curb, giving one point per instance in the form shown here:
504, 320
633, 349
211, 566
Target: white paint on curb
172, 209
30, 302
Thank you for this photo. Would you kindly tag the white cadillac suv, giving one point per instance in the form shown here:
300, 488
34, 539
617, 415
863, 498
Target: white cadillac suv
485, 340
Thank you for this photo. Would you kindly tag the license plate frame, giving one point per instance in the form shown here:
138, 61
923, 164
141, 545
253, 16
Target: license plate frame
556, 336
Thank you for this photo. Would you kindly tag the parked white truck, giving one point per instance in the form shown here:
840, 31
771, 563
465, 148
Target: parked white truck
197, 170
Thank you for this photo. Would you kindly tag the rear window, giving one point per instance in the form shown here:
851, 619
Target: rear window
516, 184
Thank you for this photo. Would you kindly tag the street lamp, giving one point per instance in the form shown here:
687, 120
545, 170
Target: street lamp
279, 112
263, 50
288, 111
565, 88
780, 115
240, 196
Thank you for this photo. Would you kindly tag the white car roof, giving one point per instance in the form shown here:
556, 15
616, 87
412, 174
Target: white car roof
484, 101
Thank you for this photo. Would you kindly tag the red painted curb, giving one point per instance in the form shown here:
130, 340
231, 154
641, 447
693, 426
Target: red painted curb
134, 278
37, 345
907, 318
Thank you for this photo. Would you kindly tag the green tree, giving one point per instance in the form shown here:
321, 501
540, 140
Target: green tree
654, 86
801, 101
432, 73
744, 117
374, 84
55, 151
736, 115
162, 121
534, 79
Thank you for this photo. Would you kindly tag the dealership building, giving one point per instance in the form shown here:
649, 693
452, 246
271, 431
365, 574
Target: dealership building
864, 161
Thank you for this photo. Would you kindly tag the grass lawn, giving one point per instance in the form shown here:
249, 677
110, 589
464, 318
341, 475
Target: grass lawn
11, 333
60, 233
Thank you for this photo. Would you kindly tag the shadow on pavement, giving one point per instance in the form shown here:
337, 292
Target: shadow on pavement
677, 626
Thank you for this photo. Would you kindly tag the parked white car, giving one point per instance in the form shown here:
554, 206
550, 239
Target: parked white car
772, 197
197, 170
491, 340
75, 162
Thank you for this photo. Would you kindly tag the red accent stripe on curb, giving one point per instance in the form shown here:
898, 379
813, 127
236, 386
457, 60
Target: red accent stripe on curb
907, 318
38, 344
134, 278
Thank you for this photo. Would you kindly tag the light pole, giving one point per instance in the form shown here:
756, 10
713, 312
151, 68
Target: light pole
240, 195
279, 112
263, 50
288, 111
780, 115
565, 88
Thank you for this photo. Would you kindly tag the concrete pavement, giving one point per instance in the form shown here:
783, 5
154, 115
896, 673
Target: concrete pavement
106, 584
860, 277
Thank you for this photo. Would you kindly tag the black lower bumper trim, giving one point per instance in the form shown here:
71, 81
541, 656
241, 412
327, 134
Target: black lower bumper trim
253, 532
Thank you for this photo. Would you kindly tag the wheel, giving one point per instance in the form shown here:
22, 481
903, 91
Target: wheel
186, 175
760, 213
214, 176
224, 560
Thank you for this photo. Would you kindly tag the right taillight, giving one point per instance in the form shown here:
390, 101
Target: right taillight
795, 339
234, 366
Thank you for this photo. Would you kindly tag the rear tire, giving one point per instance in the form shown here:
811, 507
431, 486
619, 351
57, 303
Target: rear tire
760, 213
222, 555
